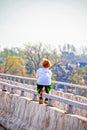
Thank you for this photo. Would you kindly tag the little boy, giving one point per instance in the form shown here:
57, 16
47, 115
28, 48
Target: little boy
44, 79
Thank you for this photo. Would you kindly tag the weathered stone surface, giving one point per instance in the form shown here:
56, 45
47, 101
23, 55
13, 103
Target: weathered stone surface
1, 128
20, 113
57, 104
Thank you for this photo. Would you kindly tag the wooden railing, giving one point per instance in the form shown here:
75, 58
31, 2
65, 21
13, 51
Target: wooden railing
33, 81
70, 103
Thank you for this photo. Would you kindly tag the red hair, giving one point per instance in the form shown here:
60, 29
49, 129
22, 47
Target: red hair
46, 63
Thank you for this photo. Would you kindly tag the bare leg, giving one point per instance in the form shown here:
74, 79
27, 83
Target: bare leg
43, 90
40, 98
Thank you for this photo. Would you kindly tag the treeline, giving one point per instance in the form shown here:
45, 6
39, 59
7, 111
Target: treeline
25, 62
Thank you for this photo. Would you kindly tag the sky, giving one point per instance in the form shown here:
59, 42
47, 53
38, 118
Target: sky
54, 22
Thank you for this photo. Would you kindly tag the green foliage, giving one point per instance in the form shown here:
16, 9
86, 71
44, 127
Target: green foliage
14, 65
77, 76
10, 52
32, 55
29, 67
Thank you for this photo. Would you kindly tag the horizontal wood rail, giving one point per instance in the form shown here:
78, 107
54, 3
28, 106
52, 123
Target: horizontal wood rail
33, 81
70, 103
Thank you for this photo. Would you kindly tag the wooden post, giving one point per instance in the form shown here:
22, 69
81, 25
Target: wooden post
10, 78
65, 89
35, 97
76, 91
14, 79
4, 88
29, 82
19, 80
23, 81
22, 93
34, 83
7, 77
70, 109
12, 90
49, 102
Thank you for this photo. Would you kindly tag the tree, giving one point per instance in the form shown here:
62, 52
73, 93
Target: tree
68, 53
14, 65
10, 52
29, 67
77, 76
35, 54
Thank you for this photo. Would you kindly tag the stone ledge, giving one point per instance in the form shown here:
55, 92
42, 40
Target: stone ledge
18, 113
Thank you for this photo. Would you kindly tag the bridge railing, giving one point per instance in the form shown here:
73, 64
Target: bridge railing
20, 79
70, 103
33, 81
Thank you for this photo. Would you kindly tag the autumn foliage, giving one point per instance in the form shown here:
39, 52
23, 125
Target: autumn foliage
14, 65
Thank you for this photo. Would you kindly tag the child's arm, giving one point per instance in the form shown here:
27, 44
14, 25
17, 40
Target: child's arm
37, 74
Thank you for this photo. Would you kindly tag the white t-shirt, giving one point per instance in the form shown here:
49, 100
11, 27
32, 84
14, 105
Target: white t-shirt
43, 76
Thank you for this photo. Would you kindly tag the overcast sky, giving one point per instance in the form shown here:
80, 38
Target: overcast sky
47, 21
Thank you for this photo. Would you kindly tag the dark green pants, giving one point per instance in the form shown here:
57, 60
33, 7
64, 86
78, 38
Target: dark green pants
47, 88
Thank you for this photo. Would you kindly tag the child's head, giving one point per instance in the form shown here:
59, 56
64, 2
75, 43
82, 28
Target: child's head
46, 63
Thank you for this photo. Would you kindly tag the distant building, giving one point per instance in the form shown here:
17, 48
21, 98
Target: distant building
82, 64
